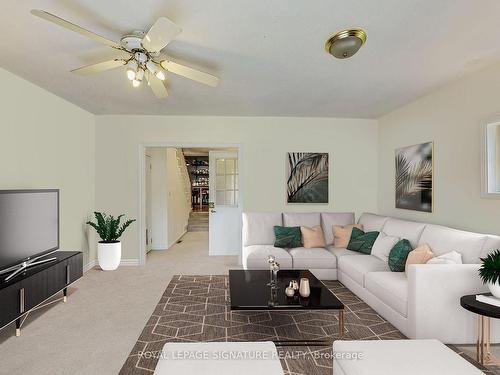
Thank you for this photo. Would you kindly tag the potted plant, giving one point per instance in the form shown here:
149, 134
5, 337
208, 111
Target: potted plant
490, 272
109, 249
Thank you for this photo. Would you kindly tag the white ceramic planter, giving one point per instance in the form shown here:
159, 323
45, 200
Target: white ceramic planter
494, 289
109, 255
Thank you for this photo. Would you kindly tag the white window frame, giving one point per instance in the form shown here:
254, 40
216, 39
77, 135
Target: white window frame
489, 145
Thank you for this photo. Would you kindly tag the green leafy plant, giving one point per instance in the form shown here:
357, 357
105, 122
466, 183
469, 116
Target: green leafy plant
489, 272
108, 227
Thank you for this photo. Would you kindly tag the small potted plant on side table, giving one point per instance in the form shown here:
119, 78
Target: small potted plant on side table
490, 272
109, 249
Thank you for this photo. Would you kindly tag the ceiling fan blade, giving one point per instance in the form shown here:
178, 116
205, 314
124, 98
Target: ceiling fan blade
71, 26
99, 67
190, 73
160, 34
157, 86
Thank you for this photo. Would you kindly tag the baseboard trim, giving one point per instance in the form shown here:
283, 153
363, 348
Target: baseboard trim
129, 262
124, 262
178, 238
91, 264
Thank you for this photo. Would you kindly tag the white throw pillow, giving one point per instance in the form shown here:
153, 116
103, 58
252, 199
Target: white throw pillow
383, 246
452, 257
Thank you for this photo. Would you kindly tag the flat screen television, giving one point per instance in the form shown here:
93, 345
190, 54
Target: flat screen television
29, 225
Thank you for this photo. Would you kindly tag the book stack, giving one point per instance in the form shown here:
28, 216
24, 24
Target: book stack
489, 299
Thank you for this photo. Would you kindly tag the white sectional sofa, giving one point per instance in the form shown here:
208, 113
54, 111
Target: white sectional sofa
422, 304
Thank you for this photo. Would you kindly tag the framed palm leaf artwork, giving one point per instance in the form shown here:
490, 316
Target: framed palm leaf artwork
307, 177
414, 172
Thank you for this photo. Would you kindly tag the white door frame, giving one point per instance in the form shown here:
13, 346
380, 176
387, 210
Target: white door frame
141, 221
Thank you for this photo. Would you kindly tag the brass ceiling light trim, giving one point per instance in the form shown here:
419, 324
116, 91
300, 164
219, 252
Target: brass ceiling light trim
345, 43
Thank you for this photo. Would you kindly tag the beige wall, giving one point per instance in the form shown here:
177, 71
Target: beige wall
46, 142
352, 145
451, 117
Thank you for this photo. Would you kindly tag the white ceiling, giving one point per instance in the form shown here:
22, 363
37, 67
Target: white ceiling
268, 54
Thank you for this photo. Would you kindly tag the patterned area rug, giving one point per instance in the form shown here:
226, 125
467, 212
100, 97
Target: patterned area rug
195, 308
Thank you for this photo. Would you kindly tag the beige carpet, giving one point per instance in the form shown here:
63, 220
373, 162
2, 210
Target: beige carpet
95, 330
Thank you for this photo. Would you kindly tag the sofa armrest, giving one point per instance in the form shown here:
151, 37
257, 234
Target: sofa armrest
434, 310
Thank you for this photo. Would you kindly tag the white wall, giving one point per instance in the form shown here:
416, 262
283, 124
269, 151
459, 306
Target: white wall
451, 117
178, 207
47, 142
264, 141
159, 231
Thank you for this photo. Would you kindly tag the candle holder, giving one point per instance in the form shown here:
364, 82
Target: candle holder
274, 267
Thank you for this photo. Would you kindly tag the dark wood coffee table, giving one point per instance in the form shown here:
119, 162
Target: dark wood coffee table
249, 292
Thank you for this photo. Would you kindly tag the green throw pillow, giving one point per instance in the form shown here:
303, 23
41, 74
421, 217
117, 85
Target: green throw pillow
362, 242
287, 237
398, 255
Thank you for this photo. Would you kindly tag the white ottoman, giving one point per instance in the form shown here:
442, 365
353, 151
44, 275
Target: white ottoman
409, 357
219, 358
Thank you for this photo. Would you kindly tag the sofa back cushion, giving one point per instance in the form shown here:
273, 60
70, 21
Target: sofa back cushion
329, 219
372, 222
313, 237
442, 240
409, 230
491, 243
300, 219
258, 227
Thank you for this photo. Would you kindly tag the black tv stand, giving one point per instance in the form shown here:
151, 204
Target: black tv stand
31, 287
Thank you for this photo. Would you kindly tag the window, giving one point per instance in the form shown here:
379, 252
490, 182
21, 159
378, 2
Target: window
491, 149
226, 183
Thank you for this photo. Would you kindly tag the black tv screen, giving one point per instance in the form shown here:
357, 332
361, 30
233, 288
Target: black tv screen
29, 225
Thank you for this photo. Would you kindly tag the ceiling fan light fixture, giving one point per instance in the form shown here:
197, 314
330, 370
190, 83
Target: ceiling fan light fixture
139, 75
131, 69
345, 43
136, 83
160, 74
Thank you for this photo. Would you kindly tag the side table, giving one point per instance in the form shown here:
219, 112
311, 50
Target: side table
484, 312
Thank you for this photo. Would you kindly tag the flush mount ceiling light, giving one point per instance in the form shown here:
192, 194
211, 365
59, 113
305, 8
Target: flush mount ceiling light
345, 43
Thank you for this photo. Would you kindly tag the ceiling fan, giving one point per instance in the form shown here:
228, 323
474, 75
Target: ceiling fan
144, 49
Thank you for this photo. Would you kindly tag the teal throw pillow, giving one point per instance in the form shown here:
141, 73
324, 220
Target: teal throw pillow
362, 242
398, 255
289, 237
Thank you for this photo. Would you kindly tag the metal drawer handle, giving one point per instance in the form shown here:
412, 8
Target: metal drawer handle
67, 274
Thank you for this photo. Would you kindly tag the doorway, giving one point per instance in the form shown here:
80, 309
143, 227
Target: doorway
209, 177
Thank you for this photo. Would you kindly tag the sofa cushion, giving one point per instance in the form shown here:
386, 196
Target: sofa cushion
391, 288
398, 255
258, 227
357, 266
491, 243
318, 258
312, 237
420, 255
287, 237
383, 246
372, 222
362, 241
329, 219
342, 234
443, 240
452, 257
301, 219
254, 257
410, 230
341, 251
